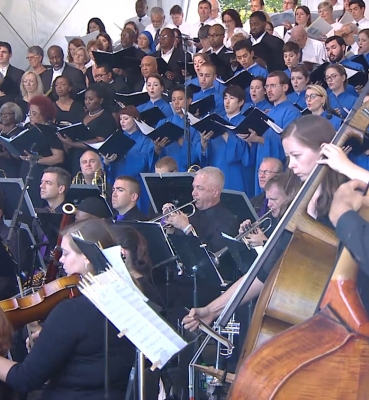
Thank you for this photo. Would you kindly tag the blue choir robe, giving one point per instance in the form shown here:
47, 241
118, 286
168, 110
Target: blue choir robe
335, 121
343, 101
230, 158
178, 152
255, 70
138, 159
161, 104
352, 64
287, 71
263, 105
219, 87
219, 103
362, 160
282, 114
298, 98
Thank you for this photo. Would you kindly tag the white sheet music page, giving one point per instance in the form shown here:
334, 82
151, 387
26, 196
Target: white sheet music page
130, 314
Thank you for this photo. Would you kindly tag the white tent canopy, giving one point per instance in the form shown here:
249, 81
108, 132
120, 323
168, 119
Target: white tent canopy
25, 23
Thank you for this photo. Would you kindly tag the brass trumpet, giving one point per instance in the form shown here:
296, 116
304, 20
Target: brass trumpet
99, 180
176, 209
79, 179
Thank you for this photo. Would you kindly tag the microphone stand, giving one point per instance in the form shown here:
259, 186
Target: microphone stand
15, 223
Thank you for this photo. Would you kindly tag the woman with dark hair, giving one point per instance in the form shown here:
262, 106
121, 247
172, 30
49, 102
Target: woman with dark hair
232, 21
69, 111
340, 99
94, 25
70, 350
303, 16
145, 42
98, 119
299, 80
155, 87
10, 116
317, 103
106, 41
42, 111
132, 25
73, 45
258, 95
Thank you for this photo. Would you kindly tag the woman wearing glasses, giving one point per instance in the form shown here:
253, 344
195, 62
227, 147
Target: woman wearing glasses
340, 100
35, 55
317, 103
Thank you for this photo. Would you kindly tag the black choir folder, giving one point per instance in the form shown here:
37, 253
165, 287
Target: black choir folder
117, 143
168, 129
190, 67
203, 105
243, 79
78, 131
132, 99
33, 139
152, 116
119, 59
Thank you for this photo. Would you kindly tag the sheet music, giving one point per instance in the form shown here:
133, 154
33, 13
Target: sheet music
279, 19
85, 39
318, 29
130, 314
350, 72
274, 126
347, 17
144, 128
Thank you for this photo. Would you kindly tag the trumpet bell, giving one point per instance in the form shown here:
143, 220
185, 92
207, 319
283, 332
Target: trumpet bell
69, 208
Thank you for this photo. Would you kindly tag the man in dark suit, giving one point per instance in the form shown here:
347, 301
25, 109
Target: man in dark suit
104, 73
59, 67
219, 54
13, 74
170, 55
125, 194
266, 47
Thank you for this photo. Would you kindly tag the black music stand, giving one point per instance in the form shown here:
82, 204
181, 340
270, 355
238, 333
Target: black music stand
172, 187
197, 262
77, 193
239, 205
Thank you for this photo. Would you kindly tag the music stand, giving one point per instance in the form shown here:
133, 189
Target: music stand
12, 188
239, 205
77, 193
242, 256
171, 187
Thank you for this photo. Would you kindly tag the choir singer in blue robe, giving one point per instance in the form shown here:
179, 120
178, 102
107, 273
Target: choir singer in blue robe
299, 79
258, 95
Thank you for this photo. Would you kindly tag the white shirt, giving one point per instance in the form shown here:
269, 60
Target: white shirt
227, 39
279, 30
57, 73
145, 21
167, 55
258, 40
314, 51
185, 28
338, 6
335, 27
354, 48
4, 70
362, 24
196, 27
150, 28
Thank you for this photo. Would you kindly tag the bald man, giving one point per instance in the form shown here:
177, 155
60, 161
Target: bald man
149, 66
312, 50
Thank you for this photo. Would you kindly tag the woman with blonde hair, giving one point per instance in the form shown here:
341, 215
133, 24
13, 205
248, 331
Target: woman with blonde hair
30, 87
81, 58
317, 102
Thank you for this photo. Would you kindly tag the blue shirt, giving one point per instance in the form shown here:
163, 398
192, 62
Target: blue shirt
352, 64
344, 101
219, 103
219, 87
161, 104
335, 121
298, 98
263, 105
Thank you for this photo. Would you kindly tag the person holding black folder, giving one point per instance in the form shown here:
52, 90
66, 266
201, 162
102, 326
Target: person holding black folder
282, 113
207, 78
155, 86
98, 119
69, 111
336, 47
178, 149
139, 158
258, 95
50, 150
228, 152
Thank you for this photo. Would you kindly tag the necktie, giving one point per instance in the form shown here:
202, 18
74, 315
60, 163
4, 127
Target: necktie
348, 48
300, 59
156, 38
357, 24
140, 19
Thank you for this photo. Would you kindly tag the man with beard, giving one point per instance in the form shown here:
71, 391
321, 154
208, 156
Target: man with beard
336, 46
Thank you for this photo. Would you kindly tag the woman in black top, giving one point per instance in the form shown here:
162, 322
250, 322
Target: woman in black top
42, 112
68, 111
98, 119
69, 352
10, 115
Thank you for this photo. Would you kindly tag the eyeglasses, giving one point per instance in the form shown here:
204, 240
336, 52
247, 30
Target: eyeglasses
99, 76
266, 172
312, 96
125, 35
331, 77
30, 58
163, 36
272, 86
215, 35
33, 114
345, 34
6, 114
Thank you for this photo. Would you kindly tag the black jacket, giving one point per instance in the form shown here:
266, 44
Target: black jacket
15, 75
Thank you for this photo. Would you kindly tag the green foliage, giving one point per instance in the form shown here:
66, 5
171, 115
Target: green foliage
243, 6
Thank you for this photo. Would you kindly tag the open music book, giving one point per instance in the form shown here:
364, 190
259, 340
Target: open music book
114, 293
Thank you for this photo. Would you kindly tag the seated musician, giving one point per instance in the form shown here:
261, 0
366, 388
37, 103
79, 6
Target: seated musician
54, 184
269, 168
211, 217
125, 195
70, 348
165, 165
90, 164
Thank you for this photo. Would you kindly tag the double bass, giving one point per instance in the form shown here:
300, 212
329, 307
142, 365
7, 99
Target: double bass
290, 351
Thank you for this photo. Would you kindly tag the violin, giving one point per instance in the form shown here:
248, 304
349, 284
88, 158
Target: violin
36, 306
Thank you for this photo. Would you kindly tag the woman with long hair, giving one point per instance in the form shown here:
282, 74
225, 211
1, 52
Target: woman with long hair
233, 24
73, 45
106, 42
30, 87
95, 25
